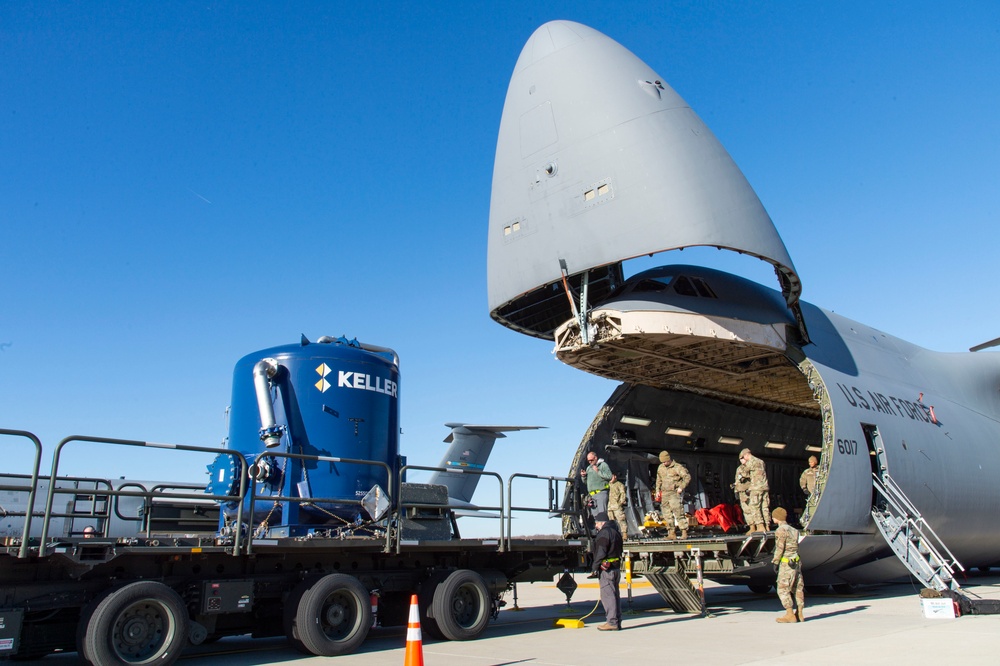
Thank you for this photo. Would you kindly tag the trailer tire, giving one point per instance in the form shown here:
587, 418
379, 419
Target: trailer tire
428, 625
462, 605
291, 609
760, 588
144, 622
333, 616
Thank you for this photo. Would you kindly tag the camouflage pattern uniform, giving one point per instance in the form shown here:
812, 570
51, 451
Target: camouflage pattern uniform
741, 486
616, 504
758, 509
671, 480
786, 557
808, 481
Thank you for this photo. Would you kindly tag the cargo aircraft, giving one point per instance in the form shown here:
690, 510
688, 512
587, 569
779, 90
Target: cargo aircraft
599, 161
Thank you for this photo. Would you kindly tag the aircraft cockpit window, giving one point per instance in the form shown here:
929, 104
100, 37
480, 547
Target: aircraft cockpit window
691, 286
649, 285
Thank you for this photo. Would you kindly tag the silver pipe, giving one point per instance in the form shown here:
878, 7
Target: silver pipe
326, 339
264, 370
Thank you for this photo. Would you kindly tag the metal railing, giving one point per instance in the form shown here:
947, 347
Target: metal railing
401, 512
247, 496
553, 507
53, 491
312, 500
26, 529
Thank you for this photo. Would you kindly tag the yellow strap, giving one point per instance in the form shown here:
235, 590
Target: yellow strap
611, 559
594, 492
786, 560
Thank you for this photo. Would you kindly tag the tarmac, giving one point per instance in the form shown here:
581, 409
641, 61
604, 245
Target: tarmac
881, 624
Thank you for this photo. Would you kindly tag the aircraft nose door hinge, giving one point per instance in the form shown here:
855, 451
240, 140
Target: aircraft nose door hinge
579, 311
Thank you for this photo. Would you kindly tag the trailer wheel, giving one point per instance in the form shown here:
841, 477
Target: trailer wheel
289, 612
760, 588
428, 625
333, 616
462, 605
141, 623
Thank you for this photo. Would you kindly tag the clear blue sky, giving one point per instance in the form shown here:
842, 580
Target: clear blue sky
185, 183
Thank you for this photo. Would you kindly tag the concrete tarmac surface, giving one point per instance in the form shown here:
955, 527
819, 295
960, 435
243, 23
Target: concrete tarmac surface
880, 624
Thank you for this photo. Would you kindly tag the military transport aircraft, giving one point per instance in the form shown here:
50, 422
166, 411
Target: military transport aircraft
599, 161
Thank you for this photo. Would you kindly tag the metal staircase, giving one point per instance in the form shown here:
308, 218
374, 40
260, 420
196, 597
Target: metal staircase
911, 538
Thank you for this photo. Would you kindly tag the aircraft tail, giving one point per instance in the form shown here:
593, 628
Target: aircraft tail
470, 448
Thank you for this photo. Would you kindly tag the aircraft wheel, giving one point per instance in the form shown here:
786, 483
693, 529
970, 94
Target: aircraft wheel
462, 605
141, 623
845, 588
762, 588
333, 615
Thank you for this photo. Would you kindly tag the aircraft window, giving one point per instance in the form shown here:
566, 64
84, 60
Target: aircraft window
687, 286
648, 285
703, 289
683, 286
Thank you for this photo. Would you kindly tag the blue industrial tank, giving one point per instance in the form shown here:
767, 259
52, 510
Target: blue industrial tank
332, 397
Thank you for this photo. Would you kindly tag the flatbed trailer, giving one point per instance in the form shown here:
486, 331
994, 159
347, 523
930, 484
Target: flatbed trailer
144, 597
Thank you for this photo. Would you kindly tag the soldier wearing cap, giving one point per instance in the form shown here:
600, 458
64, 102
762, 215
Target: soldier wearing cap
607, 567
751, 481
788, 567
617, 499
808, 479
671, 480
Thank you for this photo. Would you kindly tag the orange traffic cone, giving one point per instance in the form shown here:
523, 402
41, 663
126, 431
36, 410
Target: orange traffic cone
414, 642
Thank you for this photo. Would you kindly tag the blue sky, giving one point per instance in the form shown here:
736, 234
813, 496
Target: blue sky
183, 184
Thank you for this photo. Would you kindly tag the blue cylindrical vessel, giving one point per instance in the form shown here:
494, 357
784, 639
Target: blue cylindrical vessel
334, 397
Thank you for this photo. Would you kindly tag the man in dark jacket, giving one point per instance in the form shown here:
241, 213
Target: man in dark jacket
607, 565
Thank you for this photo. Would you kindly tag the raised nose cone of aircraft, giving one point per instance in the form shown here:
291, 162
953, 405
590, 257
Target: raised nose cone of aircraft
598, 160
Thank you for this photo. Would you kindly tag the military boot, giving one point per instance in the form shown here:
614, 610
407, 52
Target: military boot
671, 535
789, 616
684, 534
800, 615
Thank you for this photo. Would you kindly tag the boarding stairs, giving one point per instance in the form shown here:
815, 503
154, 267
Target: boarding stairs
911, 538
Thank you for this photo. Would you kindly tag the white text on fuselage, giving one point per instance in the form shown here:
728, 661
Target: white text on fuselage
877, 402
357, 380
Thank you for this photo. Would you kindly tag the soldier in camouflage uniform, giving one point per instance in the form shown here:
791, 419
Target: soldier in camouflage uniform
789, 569
808, 479
741, 487
671, 480
757, 509
616, 504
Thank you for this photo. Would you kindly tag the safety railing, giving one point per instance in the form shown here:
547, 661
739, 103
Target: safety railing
26, 528
471, 507
53, 490
154, 497
247, 498
553, 507
310, 500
